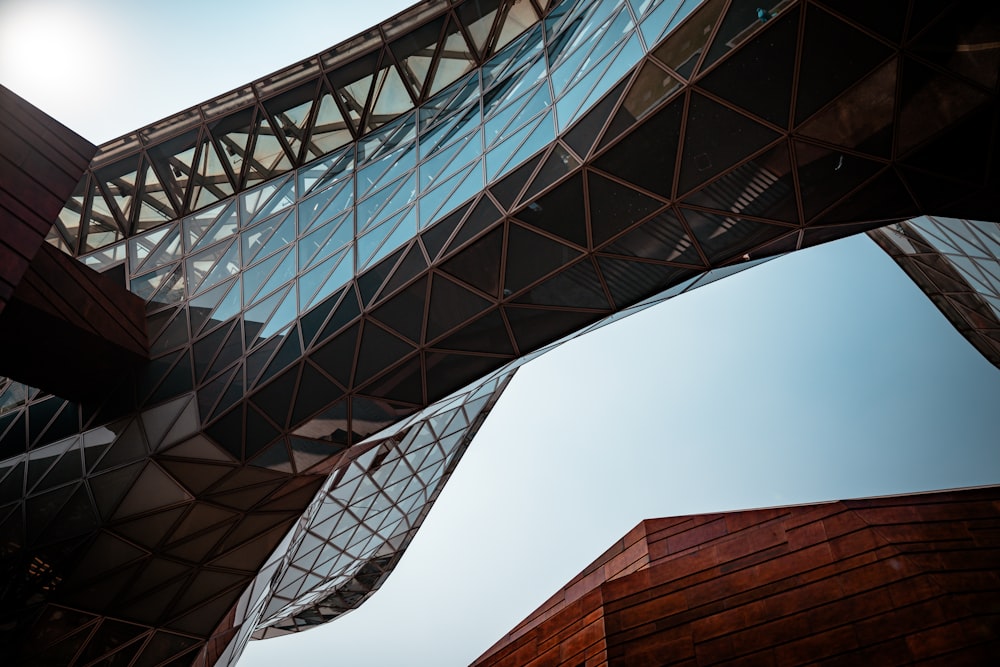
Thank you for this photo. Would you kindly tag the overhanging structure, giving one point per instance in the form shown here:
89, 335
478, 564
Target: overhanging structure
342, 264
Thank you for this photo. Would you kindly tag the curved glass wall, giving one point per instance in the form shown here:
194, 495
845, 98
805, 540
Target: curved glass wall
279, 248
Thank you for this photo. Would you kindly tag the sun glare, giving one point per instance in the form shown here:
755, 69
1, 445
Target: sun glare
48, 51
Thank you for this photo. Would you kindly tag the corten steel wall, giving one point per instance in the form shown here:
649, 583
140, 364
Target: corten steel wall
911, 579
63, 326
40, 163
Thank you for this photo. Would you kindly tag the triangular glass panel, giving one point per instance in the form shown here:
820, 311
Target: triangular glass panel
743, 22
330, 131
883, 198
415, 53
661, 238
211, 266
763, 187
560, 212
723, 237
868, 132
534, 327
275, 457
377, 351
316, 392
764, 91
234, 393
307, 453
435, 237
109, 487
336, 358
615, 207
120, 183
506, 191
487, 334
390, 98
647, 156
682, 49
450, 305
519, 16
157, 421
233, 133
577, 286
215, 306
826, 175
929, 103
479, 264
269, 156
261, 279
153, 489
404, 312
651, 87
268, 236
716, 138
453, 60
210, 225
198, 447
173, 161
101, 227
274, 197
312, 280
290, 112
291, 347
629, 282
885, 18
483, 215
370, 281
447, 372
255, 318
958, 43
834, 56
478, 18
559, 163
352, 83
531, 256
210, 181
413, 263
154, 207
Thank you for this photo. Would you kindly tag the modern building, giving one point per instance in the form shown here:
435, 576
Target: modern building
897, 580
295, 304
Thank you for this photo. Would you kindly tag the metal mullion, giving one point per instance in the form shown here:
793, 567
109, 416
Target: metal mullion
678, 213
141, 178
449, 16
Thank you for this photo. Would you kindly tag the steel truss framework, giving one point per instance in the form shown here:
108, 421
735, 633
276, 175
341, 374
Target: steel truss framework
589, 167
957, 264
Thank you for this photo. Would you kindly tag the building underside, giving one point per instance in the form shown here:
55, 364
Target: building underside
342, 264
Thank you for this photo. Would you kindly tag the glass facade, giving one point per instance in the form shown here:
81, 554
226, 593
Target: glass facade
957, 264
344, 262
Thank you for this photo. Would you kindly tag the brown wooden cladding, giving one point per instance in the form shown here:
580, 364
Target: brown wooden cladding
41, 161
896, 580
64, 328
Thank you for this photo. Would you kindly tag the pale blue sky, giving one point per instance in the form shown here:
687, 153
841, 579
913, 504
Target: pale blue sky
818, 376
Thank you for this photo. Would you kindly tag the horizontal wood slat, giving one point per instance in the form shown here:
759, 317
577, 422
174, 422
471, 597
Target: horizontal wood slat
899, 580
